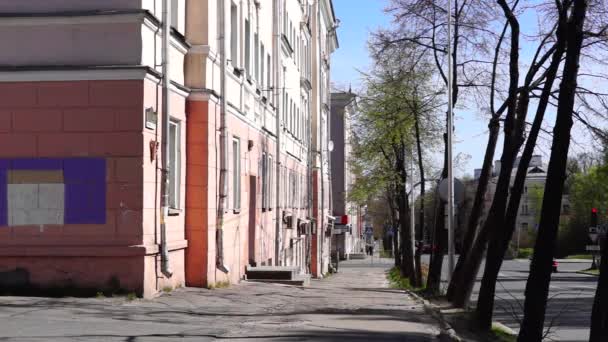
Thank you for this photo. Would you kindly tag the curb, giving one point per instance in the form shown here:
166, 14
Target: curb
447, 334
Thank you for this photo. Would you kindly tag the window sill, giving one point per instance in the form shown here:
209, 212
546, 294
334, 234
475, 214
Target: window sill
174, 212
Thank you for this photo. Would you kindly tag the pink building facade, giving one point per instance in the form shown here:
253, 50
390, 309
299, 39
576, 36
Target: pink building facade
80, 130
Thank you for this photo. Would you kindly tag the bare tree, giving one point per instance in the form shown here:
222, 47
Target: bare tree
502, 234
537, 287
512, 141
599, 316
423, 23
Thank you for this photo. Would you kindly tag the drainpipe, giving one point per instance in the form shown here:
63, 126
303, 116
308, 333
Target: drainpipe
223, 190
319, 149
166, 37
277, 178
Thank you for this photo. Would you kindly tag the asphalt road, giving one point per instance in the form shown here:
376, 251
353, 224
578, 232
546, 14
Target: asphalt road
569, 307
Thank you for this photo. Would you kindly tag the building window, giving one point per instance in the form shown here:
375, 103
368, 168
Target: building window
233, 35
256, 56
236, 173
290, 115
524, 209
270, 182
566, 209
524, 226
175, 14
264, 181
284, 110
268, 71
262, 73
248, 48
174, 163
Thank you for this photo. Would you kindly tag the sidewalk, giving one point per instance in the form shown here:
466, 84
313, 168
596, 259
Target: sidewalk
353, 305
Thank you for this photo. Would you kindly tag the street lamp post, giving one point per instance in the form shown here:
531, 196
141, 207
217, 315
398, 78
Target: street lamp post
450, 125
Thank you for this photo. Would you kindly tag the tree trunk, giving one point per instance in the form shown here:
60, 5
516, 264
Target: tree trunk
599, 315
394, 221
502, 237
510, 149
433, 282
478, 205
408, 267
537, 287
420, 230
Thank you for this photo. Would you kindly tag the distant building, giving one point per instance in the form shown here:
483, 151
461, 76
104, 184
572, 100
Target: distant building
528, 215
347, 228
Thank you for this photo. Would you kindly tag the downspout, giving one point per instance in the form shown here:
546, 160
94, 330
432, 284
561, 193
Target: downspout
164, 213
320, 127
223, 191
277, 178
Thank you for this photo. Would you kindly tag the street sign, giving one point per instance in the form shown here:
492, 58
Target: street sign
595, 248
458, 190
593, 237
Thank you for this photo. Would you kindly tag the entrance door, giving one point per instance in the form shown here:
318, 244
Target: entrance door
252, 211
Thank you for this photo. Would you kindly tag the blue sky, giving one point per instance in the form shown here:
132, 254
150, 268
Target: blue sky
360, 17
357, 19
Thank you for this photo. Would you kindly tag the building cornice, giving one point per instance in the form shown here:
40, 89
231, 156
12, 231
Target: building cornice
78, 17
80, 73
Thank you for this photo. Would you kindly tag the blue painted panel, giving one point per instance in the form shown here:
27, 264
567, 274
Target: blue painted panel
84, 170
36, 164
85, 190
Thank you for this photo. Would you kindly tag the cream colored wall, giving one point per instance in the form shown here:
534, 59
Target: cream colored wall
42, 6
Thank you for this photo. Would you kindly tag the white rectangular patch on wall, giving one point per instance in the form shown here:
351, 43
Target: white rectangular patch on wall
35, 197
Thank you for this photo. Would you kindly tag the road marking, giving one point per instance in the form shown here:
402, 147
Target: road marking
584, 287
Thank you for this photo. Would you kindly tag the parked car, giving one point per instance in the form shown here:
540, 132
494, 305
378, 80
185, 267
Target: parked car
554, 265
428, 248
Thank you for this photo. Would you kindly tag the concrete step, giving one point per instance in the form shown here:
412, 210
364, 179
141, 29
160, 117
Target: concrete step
271, 272
357, 256
299, 280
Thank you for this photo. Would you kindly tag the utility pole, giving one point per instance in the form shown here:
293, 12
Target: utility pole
450, 127
412, 205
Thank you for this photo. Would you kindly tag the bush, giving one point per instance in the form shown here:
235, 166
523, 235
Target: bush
397, 281
525, 253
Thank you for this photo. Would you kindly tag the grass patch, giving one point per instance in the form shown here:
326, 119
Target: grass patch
386, 253
397, 281
167, 289
580, 256
219, 285
590, 271
525, 253
500, 335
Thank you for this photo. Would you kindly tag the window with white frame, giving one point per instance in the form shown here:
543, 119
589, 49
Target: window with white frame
262, 73
268, 71
264, 181
256, 56
270, 183
236, 173
233, 35
175, 14
248, 47
174, 157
